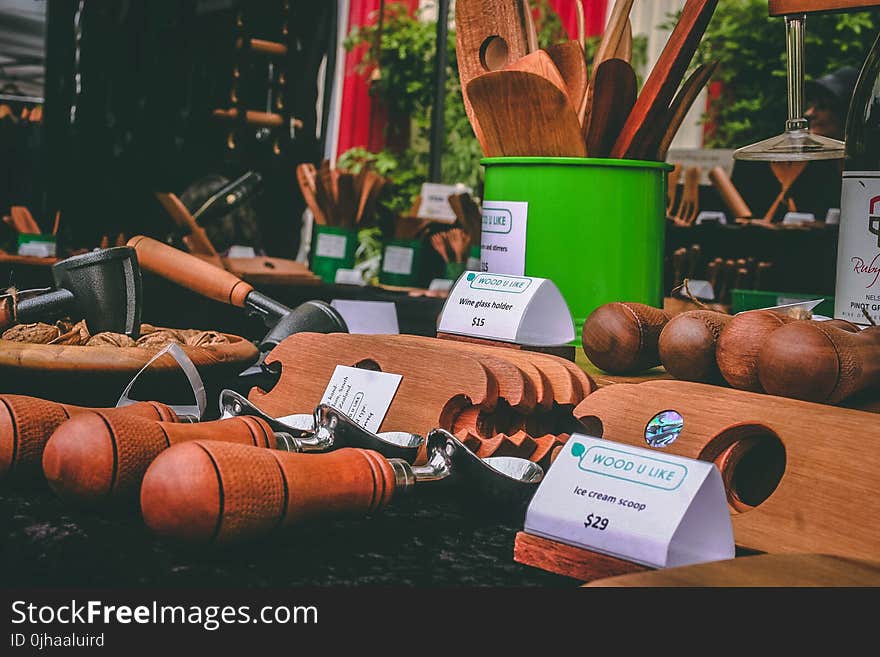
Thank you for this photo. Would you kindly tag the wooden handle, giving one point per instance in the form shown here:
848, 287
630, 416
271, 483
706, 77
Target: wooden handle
816, 361
622, 338
687, 345
189, 271
742, 340
729, 194
95, 457
27, 422
184, 220
207, 491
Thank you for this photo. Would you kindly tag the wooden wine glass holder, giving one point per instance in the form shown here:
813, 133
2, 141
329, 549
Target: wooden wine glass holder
562, 351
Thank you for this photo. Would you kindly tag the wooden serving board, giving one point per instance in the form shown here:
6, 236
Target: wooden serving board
264, 270
431, 393
759, 570
826, 499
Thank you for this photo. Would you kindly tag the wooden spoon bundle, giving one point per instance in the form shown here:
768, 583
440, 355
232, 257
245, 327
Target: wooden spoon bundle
527, 102
495, 399
340, 198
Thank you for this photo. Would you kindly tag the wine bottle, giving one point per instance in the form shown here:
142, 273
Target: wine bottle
858, 248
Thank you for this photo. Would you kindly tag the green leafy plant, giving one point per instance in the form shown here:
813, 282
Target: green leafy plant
750, 46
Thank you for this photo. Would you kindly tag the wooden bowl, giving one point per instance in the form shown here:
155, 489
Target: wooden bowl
96, 376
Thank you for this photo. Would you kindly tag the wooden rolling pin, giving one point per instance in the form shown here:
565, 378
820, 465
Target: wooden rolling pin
100, 456
687, 345
741, 342
815, 361
220, 492
26, 423
621, 338
729, 194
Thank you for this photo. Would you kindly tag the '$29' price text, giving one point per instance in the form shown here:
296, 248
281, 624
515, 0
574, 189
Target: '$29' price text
596, 522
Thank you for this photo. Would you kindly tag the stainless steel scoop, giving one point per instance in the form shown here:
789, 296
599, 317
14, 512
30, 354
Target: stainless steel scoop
326, 429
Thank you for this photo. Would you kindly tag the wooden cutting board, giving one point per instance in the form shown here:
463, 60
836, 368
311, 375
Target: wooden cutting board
431, 393
759, 570
263, 270
826, 499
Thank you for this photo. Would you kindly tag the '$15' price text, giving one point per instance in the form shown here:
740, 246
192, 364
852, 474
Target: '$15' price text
478, 321
596, 522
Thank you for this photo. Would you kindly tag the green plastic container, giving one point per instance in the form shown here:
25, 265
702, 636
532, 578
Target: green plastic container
596, 227
402, 263
332, 249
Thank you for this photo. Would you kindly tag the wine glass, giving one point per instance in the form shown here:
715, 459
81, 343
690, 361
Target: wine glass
796, 144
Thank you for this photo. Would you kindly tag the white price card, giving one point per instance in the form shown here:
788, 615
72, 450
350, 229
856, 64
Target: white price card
239, 251
363, 395
331, 246
349, 277
398, 260
636, 504
520, 309
435, 202
368, 317
503, 242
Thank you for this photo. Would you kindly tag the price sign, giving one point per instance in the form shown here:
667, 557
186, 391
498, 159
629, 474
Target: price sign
520, 309
634, 504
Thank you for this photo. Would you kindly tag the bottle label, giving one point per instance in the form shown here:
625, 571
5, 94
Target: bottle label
858, 248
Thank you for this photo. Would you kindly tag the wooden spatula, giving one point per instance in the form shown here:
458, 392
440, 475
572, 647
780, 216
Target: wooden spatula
614, 94
540, 63
667, 74
489, 35
523, 114
625, 47
305, 176
531, 30
569, 59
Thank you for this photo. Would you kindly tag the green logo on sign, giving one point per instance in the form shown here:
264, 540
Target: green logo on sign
471, 276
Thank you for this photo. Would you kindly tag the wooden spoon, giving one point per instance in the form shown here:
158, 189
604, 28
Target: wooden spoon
523, 114
569, 60
488, 36
666, 75
608, 45
614, 95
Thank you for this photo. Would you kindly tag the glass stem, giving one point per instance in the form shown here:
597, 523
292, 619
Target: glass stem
794, 45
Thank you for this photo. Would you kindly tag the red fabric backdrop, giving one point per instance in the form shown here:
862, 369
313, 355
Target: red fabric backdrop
362, 119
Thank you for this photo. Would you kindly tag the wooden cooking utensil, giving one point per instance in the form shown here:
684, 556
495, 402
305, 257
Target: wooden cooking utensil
804, 493
531, 30
660, 87
787, 174
690, 198
687, 345
761, 570
625, 48
27, 422
608, 46
489, 35
678, 110
581, 23
614, 94
817, 362
569, 59
729, 193
197, 240
540, 63
305, 176
523, 114
622, 338
101, 456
